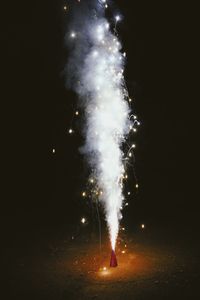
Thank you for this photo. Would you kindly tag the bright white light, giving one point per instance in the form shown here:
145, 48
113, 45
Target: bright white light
95, 54
117, 18
73, 35
83, 220
137, 186
54, 150
77, 113
143, 226
70, 131
107, 25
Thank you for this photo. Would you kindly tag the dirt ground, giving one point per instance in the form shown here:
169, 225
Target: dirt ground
61, 268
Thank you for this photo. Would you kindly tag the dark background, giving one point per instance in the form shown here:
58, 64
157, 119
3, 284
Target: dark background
43, 189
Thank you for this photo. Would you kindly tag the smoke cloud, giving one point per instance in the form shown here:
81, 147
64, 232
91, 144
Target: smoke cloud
95, 72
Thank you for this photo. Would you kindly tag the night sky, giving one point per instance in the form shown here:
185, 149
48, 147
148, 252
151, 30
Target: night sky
43, 189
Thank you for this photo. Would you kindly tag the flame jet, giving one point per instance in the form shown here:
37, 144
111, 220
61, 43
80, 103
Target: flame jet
95, 71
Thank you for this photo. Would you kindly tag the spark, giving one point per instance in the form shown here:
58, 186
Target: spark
117, 18
84, 194
104, 271
137, 186
123, 251
77, 113
83, 220
70, 131
142, 226
73, 35
54, 150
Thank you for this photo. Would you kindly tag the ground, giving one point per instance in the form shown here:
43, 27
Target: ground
65, 268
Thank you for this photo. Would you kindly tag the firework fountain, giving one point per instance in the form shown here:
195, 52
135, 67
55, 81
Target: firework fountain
95, 71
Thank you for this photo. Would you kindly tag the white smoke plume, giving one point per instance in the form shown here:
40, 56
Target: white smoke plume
95, 71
